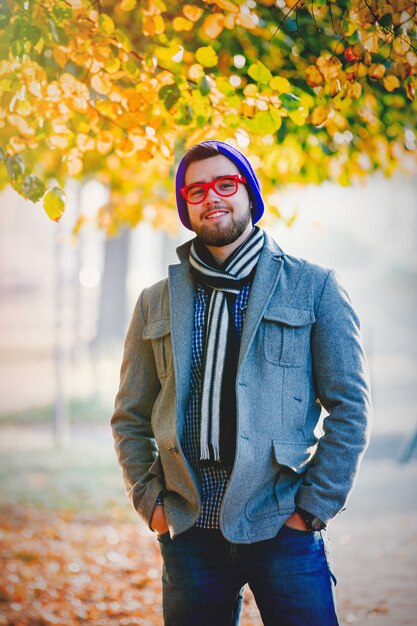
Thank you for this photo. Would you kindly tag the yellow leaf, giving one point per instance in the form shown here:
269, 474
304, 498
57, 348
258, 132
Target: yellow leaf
40, 45
35, 88
354, 91
106, 24
260, 73
85, 143
79, 224
59, 125
74, 162
6, 68
24, 108
261, 105
229, 21
278, 83
125, 147
351, 27
128, 5
60, 57
180, 23
391, 82
290, 221
314, 76
138, 139
412, 59
112, 65
370, 42
192, 12
104, 142
102, 53
295, 3
54, 203
80, 104
207, 56
68, 83
166, 55
411, 90
134, 100
213, 25
401, 45
123, 40
227, 5
298, 116
196, 71
307, 101
16, 144
329, 66
333, 87
251, 90
101, 83
245, 21
319, 115
247, 107
59, 141
21, 124
178, 56
155, 7
153, 25
54, 92
345, 103
360, 69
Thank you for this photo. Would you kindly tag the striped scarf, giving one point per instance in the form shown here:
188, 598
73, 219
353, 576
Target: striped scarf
222, 280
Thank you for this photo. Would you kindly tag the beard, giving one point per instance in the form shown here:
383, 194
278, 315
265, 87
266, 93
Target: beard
217, 235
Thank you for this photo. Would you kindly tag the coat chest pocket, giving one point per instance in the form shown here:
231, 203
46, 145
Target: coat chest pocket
159, 333
286, 335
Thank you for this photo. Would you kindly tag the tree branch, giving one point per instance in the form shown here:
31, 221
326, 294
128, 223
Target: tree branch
283, 20
314, 17
388, 31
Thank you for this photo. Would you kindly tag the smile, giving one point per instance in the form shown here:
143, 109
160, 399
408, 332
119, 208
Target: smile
211, 216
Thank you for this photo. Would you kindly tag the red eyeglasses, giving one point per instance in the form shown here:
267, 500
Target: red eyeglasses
224, 186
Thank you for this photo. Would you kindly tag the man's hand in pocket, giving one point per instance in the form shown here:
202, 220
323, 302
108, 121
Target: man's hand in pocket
158, 520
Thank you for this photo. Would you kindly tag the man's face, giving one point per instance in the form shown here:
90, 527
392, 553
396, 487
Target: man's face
217, 221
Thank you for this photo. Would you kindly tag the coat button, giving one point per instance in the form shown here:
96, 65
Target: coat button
173, 450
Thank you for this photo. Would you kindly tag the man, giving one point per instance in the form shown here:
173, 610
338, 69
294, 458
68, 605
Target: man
227, 364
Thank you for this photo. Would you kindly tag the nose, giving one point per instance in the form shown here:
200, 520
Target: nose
211, 197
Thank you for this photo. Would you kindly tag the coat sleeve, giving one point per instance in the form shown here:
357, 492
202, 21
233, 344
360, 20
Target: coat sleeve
135, 444
341, 380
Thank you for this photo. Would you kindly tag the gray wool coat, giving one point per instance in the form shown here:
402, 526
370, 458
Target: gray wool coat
300, 351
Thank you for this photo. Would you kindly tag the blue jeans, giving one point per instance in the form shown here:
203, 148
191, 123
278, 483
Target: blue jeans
204, 576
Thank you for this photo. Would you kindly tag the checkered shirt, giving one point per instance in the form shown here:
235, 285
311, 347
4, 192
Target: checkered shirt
213, 481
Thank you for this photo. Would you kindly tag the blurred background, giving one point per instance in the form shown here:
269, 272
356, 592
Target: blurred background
65, 302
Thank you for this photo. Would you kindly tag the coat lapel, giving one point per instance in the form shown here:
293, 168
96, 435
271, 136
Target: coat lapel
266, 278
181, 303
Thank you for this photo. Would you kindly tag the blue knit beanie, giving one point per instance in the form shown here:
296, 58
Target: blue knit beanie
244, 167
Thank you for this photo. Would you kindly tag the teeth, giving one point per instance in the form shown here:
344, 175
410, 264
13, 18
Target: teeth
217, 214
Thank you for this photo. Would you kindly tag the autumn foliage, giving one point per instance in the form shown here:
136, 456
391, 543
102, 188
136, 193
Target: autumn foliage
66, 568
311, 90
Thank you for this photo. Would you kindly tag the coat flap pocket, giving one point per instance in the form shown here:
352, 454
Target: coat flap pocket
296, 456
289, 316
156, 329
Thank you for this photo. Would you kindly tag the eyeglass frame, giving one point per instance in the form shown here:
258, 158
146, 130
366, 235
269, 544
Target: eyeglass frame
238, 178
